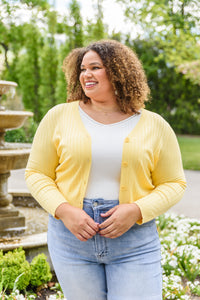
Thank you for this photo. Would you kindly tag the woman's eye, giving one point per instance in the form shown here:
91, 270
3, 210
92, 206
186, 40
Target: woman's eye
90, 69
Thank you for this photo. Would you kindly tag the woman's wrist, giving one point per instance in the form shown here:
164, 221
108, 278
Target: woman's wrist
137, 212
61, 210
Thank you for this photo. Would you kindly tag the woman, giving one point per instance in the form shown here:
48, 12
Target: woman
104, 168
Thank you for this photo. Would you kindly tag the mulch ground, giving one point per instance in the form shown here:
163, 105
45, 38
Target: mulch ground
43, 292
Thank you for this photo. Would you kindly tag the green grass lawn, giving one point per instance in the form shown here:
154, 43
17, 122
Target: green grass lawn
190, 150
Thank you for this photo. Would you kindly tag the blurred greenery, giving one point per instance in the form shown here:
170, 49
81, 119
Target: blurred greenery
24, 134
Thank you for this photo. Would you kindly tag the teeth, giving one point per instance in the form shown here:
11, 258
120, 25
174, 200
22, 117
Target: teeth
90, 83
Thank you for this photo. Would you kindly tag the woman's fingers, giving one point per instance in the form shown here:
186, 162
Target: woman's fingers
84, 229
89, 232
112, 234
81, 238
92, 224
77, 221
109, 212
121, 219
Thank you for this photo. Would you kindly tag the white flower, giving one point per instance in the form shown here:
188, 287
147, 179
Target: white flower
185, 297
173, 262
189, 250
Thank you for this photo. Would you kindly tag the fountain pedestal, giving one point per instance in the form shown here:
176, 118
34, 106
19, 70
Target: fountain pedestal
5, 198
12, 156
11, 220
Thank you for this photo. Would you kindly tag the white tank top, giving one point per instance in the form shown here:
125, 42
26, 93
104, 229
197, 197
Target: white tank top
107, 144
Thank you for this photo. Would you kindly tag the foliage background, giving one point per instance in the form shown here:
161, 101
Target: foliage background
33, 50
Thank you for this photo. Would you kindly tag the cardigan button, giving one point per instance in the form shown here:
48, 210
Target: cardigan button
126, 140
123, 188
124, 164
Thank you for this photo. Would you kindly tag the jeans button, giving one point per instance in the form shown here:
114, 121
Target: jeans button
95, 204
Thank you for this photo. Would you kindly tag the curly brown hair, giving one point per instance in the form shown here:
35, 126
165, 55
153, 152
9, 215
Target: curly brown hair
123, 69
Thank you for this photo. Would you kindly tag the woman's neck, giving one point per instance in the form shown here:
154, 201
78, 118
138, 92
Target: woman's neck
105, 114
104, 106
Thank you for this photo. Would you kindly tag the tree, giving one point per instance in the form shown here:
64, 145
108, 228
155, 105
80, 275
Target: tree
175, 25
169, 40
191, 70
11, 35
23, 41
71, 26
172, 95
33, 62
97, 30
11, 26
75, 29
49, 64
28, 70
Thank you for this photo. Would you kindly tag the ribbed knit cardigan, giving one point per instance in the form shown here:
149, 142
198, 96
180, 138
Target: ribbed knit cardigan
59, 164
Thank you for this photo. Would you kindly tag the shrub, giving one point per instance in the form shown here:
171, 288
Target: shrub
40, 270
14, 270
16, 273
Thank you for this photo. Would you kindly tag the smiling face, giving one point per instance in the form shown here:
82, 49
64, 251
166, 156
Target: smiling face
93, 78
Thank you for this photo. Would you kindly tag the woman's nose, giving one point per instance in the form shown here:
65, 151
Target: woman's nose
88, 73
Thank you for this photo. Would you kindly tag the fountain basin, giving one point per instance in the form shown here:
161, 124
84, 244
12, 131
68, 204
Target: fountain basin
13, 119
14, 158
5, 86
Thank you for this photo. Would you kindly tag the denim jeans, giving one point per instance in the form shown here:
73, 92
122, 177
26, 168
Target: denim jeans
125, 268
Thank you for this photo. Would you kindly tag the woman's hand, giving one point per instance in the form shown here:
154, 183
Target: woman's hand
77, 221
121, 218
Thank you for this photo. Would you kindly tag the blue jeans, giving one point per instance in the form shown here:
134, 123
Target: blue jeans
124, 268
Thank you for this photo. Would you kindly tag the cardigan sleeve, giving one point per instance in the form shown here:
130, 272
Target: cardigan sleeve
167, 177
40, 171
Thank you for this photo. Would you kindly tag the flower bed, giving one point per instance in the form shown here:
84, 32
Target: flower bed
180, 242
180, 247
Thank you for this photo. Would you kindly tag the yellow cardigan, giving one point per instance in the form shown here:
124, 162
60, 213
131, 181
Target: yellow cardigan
59, 164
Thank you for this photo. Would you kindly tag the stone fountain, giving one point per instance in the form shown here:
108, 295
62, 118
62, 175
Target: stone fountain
22, 222
12, 156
